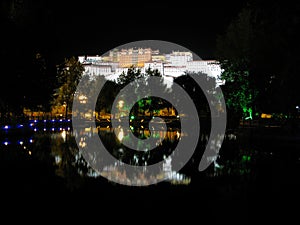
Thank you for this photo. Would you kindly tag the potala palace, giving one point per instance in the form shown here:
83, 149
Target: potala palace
170, 65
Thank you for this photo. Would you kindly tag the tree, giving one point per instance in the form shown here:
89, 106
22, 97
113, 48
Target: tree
259, 59
26, 27
274, 58
42, 84
107, 94
143, 104
131, 75
153, 103
197, 95
68, 75
233, 54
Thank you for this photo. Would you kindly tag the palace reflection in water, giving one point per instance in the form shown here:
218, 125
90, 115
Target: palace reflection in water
53, 142
113, 139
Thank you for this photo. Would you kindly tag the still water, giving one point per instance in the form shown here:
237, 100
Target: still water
54, 140
256, 171
246, 154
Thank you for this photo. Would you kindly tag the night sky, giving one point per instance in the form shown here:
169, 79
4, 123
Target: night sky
55, 30
59, 30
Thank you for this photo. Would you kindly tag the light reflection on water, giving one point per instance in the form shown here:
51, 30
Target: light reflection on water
112, 138
32, 141
36, 137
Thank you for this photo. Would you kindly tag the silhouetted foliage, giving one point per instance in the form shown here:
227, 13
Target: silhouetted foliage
259, 58
233, 52
145, 104
132, 74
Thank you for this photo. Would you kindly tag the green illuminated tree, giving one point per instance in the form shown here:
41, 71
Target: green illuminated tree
150, 103
258, 53
233, 53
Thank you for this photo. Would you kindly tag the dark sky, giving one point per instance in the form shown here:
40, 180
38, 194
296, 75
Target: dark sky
91, 27
60, 29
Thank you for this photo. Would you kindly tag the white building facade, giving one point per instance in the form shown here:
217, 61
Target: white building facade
173, 65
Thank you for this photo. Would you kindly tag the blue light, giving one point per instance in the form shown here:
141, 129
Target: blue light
6, 127
6, 142
20, 125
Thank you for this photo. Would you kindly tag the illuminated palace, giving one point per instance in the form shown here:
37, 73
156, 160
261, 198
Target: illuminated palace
170, 65
114, 63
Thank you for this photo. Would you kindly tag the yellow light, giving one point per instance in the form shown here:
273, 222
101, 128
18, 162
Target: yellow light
63, 135
120, 104
266, 116
121, 135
